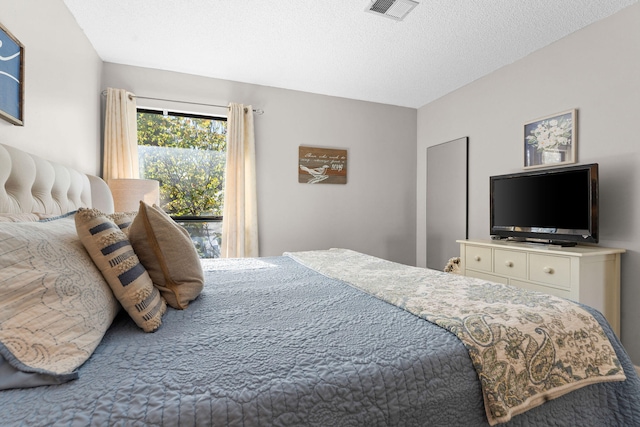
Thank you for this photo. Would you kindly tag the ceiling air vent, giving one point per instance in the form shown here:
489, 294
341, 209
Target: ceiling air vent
394, 9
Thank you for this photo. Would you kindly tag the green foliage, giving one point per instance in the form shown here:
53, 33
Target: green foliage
187, 156
206, 237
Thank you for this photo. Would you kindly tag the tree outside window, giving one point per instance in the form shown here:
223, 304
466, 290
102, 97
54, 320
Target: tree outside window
186, 153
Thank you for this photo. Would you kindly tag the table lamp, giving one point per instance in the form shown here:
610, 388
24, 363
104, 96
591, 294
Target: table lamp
127, 193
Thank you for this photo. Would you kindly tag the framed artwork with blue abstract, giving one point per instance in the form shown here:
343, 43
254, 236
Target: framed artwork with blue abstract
11, 77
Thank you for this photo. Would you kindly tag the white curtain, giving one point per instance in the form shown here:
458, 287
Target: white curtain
120, 136
240, 213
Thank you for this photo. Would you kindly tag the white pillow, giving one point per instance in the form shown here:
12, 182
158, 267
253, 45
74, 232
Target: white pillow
19, 217
55, 306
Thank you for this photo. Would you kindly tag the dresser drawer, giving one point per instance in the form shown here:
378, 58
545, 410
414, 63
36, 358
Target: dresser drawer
562, 293
478, 258
510, 263
488, 277
554, 270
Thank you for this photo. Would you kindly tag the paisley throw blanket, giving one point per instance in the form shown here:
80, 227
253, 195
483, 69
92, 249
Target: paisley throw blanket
527, 347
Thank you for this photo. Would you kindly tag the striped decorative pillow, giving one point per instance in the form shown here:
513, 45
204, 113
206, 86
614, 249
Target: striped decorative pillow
111, 251
123, 220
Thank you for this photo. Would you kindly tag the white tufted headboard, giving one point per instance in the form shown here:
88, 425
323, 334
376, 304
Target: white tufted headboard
29, 183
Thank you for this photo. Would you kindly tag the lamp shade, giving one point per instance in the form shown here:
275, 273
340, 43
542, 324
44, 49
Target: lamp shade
127, 193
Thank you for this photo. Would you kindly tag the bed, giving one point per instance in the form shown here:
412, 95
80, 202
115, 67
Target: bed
318, 338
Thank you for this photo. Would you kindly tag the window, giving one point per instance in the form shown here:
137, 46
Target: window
186, 153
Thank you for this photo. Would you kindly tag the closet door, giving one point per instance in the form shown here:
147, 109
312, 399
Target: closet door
447, 166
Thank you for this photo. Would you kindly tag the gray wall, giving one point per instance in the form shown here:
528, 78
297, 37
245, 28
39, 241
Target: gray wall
597, 71
62, 77
373, 213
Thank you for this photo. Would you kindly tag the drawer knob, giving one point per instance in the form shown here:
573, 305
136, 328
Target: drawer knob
508, 263
548, 270
477, 258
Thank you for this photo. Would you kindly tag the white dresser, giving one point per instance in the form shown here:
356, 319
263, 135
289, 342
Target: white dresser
587, 274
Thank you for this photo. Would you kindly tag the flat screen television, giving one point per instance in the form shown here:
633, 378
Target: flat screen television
556, 206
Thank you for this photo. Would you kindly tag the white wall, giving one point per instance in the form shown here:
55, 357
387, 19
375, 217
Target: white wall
61, 83
597, 71
373, 213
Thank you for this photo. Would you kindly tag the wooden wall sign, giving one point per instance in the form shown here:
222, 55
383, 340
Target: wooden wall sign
322, 165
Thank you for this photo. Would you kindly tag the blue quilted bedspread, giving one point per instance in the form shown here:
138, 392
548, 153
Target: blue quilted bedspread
276, 344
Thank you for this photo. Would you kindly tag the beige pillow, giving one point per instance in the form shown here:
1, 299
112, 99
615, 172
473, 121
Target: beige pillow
167, 252
114, 256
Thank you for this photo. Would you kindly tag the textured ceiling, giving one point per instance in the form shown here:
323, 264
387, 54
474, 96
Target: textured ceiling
333, 47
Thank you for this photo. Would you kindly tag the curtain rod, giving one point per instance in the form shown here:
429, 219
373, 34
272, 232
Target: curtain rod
258, 111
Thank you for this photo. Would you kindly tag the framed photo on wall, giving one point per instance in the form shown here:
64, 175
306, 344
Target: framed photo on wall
11, 78
550, 140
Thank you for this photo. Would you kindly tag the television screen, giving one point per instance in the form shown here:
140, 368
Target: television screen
552, 205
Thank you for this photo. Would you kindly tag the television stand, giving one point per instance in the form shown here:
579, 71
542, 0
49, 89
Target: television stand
587, 274
557, 243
